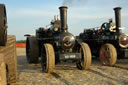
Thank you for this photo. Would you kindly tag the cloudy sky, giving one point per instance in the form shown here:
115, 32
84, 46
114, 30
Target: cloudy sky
24, 16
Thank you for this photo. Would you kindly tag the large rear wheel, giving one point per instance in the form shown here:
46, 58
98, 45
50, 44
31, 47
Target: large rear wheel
32, 50
85, 62
47, 58
108, 55
3, 25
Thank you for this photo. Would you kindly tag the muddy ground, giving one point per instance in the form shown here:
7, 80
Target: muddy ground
68, 74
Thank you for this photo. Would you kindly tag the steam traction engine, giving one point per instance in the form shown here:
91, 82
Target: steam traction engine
108, 42
56, 44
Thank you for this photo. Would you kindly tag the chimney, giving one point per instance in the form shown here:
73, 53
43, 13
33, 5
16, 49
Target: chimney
63, 18
117, 18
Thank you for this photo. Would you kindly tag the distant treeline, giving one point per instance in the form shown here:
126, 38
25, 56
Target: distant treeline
20, 41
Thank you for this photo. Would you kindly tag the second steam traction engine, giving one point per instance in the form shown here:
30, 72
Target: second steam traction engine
108, 42
56, 44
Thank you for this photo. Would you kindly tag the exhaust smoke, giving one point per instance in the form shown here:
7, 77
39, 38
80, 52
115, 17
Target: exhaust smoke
74, 2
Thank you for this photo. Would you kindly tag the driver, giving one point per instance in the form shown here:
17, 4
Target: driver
109, 26
112, 26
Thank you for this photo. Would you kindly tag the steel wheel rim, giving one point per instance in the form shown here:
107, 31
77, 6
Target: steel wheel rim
44, 60
44, 63
80, 63
82, 59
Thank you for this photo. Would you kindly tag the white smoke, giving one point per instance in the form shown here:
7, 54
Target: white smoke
74, 2
121, 3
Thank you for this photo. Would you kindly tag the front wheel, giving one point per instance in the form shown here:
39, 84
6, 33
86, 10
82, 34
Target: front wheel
108, 55
86, 58
47, 58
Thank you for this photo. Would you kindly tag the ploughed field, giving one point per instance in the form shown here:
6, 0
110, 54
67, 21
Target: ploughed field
68, 74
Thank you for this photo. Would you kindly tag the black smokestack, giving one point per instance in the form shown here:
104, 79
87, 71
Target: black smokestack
117, 18
63, 17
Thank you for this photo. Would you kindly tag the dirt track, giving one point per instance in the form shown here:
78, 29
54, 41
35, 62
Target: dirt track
68, 74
